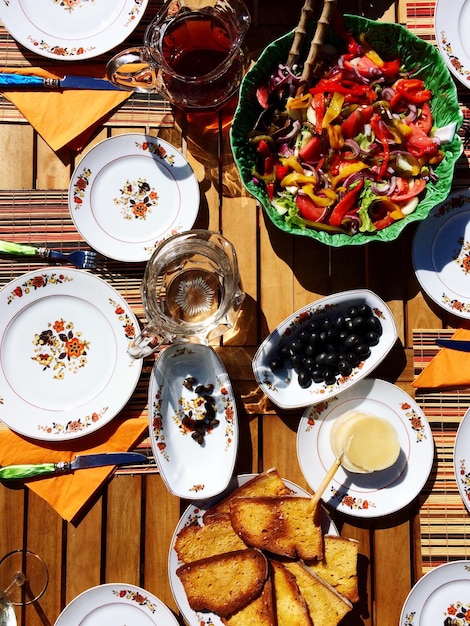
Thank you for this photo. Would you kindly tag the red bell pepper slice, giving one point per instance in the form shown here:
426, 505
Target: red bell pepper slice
346, 204
312, 150
412, 90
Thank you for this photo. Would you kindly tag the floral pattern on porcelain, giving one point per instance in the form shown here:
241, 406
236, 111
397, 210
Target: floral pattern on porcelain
37, 282
137, 199
454, 60
79, 424
59, 348
57, 50
135, 596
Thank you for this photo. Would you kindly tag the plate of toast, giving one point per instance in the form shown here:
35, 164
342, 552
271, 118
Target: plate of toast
258, 549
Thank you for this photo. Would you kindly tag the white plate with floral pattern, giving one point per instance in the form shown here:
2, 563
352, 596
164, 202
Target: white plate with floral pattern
462, 459
451, 31
282, 387
441, 254
377, 493
129, 193
441, 596
116, 603
188, 389
71, 31
64, 367
194, 513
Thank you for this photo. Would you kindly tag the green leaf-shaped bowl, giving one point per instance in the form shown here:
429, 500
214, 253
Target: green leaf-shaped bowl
389, 40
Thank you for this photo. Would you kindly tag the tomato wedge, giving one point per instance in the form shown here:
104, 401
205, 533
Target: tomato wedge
407, 189
309, 210
424, 121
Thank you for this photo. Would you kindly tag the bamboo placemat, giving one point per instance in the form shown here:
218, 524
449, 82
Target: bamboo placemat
42, 217
444, 520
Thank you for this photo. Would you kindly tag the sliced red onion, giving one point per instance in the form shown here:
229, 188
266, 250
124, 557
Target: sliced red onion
353, 146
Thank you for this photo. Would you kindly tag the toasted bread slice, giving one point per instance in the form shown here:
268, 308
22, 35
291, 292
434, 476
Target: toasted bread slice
291, 608
281, 525
268, 483
195, 542
225, 583
339, 565
258, 612
326, 606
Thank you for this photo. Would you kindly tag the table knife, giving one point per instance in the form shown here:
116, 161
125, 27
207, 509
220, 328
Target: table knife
454, 344
84, 461
23, 81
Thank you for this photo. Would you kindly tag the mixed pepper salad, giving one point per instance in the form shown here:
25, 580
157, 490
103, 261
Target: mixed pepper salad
354, 152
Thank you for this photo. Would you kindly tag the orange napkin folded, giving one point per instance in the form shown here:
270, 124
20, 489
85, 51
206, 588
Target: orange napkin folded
69, 493
449, 368
68, 117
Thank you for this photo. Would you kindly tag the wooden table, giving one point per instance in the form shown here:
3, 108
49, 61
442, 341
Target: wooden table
124, 535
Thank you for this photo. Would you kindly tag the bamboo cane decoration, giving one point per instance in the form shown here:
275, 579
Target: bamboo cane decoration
317, 43
300, 32
325, 482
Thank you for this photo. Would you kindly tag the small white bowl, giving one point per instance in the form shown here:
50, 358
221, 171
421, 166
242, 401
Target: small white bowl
192, 470
282, 387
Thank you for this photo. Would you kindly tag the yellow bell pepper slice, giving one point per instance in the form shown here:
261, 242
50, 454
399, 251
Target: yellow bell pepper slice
296, 107
295, 178
335, 136
327, 200
334, 109
291, 162
346, 171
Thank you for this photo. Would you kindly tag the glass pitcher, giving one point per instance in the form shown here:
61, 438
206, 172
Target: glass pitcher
192, 54
191, 291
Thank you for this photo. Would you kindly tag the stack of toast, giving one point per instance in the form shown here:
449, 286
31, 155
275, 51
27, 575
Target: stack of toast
260, 557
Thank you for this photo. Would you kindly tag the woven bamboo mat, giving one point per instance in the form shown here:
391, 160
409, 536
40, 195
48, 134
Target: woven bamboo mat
444, 520
42, 217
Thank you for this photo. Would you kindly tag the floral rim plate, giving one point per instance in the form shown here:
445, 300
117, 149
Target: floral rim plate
283, 387
440, 597
462, 460
116, 603
378, 493
64, 367
194, 513
71, 31
192, 469
451, 31
388, 39
441, 254
129, 193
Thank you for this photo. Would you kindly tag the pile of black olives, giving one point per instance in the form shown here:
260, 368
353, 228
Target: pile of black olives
329, 345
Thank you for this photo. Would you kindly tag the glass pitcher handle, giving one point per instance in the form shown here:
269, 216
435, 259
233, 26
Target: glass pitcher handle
130, 70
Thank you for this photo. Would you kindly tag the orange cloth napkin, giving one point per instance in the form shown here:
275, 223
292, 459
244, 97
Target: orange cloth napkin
449, 368
68, 117
69, 493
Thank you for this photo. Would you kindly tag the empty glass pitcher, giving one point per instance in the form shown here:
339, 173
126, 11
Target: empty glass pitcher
192, 54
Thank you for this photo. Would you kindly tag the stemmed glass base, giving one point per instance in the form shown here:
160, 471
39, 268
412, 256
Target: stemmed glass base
23, 577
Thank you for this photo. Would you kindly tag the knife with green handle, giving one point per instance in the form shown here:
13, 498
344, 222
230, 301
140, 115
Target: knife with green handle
15, 472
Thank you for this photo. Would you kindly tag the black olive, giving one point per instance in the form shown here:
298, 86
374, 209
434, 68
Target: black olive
373, 323
344, 367
327, 323
296, 347
339, 322
352, 311
314, 339
315, 325
329, 377
284, 352
364, 310
332, 336
371, 338
358, 324
363, 350
309, 364
276, 364
317, 375
303, 335
331, 359
309, 351
352, 341
353, 358
305, 379
320, 358
296, 360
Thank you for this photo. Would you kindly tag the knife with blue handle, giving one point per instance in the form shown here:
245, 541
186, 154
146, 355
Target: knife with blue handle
454, 344
85, 461
23, 81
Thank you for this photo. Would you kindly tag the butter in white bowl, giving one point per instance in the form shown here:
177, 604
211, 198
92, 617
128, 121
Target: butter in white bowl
364, 442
